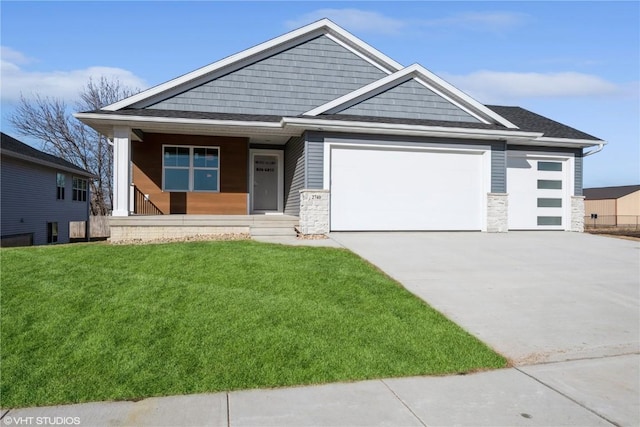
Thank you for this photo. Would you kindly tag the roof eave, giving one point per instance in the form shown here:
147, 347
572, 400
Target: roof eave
407, 129
43, 162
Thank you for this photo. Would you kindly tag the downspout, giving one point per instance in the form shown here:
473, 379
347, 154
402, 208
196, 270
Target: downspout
597, 150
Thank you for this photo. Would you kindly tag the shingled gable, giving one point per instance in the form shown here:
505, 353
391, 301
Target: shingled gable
435, 91
331, 34
231, 97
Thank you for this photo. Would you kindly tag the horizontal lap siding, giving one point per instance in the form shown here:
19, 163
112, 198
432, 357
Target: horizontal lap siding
288, 83
232, 198
293, 175
28, 198
498, 167
410, 100
314, 157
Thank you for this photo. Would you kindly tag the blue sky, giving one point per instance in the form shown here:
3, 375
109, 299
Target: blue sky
575, 62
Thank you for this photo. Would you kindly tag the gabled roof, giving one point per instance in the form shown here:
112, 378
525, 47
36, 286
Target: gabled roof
11, 147
423, 77
256, 53
392, 100
527, 120
602, 193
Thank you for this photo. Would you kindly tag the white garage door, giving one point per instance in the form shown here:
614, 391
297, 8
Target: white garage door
538, 189
402, 189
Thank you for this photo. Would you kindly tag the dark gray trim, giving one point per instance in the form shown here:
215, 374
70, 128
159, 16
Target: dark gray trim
254, 146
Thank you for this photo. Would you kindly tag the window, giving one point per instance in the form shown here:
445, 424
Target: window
52, 232
549, 166
60, 186
549, 203
190, 168
548, 184
549, 220
79, 192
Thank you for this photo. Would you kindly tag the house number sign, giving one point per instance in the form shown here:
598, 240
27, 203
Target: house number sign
265, 166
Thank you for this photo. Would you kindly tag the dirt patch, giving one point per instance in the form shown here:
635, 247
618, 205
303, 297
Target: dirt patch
621, 233
196, 238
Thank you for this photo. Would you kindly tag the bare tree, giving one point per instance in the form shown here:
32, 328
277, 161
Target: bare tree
50, 121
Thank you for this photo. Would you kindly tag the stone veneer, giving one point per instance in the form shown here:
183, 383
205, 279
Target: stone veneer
314, 212
497, 212
577, 213
144, 233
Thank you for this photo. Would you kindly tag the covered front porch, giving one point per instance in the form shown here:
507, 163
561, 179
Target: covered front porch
158, 227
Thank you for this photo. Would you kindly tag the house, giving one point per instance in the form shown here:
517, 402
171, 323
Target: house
318, 125
615, 206
40, 195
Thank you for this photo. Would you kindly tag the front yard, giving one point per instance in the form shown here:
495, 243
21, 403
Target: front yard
91, 322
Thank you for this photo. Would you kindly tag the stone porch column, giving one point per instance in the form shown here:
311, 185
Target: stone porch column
121, 170
577, 213
497, 212
314, 212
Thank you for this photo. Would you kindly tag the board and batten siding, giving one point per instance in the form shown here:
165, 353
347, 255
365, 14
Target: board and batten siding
294, 165
287, 83
28, 199
410, 100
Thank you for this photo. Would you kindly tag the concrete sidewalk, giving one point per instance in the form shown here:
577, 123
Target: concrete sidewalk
564, 393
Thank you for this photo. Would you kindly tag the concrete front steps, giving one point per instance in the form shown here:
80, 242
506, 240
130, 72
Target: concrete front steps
154, 227
274, 226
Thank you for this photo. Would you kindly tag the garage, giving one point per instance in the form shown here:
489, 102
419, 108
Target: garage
401, 188
538, 190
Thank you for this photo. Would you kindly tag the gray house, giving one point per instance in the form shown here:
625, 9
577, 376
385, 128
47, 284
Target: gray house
320, 126
40, 195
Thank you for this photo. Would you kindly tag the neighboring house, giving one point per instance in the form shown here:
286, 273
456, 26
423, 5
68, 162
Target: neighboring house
40, 195
319, 125
613, 205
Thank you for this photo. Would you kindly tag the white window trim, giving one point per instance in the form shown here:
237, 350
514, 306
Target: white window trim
73, 188
191, 169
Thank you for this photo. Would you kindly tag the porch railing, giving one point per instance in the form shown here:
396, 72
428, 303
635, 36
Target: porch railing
142, 205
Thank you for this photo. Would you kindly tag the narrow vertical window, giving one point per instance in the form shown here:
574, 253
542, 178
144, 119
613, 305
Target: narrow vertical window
52, 232
60, 186
79, 192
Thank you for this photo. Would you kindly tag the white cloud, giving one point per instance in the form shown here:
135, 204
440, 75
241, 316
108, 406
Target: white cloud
479, 21
352, 20
497, 86
59, 84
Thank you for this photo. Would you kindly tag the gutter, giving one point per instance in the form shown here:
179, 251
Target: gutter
595, 150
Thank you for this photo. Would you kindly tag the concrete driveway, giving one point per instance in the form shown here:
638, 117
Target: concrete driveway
532, 296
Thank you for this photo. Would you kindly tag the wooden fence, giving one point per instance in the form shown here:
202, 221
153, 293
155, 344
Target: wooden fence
98, 225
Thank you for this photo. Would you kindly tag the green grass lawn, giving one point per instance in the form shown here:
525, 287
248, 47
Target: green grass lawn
90, 322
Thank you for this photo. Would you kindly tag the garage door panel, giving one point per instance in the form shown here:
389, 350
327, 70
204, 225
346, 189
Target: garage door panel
379, 189
537, 196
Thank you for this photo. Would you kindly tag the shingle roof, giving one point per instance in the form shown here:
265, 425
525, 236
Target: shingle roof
417, 122
609, 192
529, 121
149, 112
10, 144
524, 119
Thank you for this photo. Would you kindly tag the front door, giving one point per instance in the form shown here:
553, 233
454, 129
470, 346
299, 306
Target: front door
266, 193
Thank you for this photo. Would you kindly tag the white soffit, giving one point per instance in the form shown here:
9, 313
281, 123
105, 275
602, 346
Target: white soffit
256, 53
